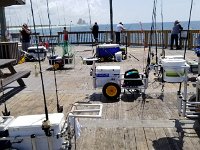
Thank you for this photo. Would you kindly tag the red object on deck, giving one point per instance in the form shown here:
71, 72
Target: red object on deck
46, 44
65, 37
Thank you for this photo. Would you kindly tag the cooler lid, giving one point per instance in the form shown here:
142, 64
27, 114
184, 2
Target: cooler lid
108, 45
36, 120
5, 121
108, 67
35, 47
174, 57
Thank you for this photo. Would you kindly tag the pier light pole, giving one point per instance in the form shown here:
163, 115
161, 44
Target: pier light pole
111, 20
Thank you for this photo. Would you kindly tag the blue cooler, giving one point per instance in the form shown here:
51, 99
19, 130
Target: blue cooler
107, 50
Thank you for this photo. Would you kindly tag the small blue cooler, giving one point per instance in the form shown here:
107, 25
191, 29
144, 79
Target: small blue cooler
107, 50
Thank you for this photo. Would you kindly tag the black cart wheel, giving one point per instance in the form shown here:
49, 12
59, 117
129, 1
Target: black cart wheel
111, 90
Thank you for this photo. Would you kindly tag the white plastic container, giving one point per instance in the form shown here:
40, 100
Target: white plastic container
173, 70
25, 126
118, 56
105, 74
42, 51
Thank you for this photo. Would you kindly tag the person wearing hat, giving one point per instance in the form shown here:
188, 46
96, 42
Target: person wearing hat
119, 29
95, 32
25, 37
174, 34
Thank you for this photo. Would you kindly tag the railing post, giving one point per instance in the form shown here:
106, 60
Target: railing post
59, 37
190, 40
146, 38
128, 38
166, 38
77, 38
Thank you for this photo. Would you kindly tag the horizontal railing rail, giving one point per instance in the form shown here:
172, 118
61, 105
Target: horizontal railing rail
135, 38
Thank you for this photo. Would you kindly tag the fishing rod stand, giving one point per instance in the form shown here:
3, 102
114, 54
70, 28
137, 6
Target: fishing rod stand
59, 108
46, 127
5, 112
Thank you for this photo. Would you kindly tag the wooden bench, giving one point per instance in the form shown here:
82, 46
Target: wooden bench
15, 77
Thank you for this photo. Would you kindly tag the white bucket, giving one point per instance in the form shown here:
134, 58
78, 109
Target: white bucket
118, 56
173, 70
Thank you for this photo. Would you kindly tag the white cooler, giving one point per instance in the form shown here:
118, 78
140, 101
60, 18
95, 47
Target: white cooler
25, 126
174, 70
42, 51
105, 74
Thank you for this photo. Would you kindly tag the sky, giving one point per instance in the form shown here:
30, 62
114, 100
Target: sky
65, 12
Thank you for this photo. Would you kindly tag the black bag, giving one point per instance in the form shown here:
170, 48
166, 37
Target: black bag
132, 73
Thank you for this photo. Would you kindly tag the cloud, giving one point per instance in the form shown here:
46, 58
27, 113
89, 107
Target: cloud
65, 11
61, 11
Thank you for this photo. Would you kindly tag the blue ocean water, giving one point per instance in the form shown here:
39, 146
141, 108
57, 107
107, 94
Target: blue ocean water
194, 25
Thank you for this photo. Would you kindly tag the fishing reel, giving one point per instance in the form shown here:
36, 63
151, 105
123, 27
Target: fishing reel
46, 127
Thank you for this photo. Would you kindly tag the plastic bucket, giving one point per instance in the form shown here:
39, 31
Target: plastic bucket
118, 56
173, 70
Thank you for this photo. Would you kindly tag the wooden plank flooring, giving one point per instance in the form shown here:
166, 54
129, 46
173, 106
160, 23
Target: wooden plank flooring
130, 123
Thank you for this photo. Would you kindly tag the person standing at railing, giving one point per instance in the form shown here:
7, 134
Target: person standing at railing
175, 33
25, 37
65, 40
95, 32
119, 29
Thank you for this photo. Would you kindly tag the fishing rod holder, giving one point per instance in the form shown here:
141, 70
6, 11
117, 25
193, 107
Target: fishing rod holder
46, 125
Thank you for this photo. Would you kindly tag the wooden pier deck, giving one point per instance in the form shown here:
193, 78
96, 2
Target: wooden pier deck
130, 123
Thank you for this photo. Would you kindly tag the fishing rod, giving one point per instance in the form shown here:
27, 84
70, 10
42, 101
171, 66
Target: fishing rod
58, 15
162, 26
40, 19
150, 54
64, 16
46, 123
155, 19
59, 108
89, 13
186, 40
90, 25
143, 43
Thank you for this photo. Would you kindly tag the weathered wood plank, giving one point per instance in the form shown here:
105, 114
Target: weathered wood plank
151, 138
162, 140
140, 139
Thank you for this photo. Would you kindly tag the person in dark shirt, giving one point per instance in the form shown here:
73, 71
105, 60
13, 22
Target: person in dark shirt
25, 37
174, 35
95, 32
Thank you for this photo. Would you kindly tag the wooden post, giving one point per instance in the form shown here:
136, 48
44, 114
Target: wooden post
190, 40
128, 38
3, 23
146, 38
166, 38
